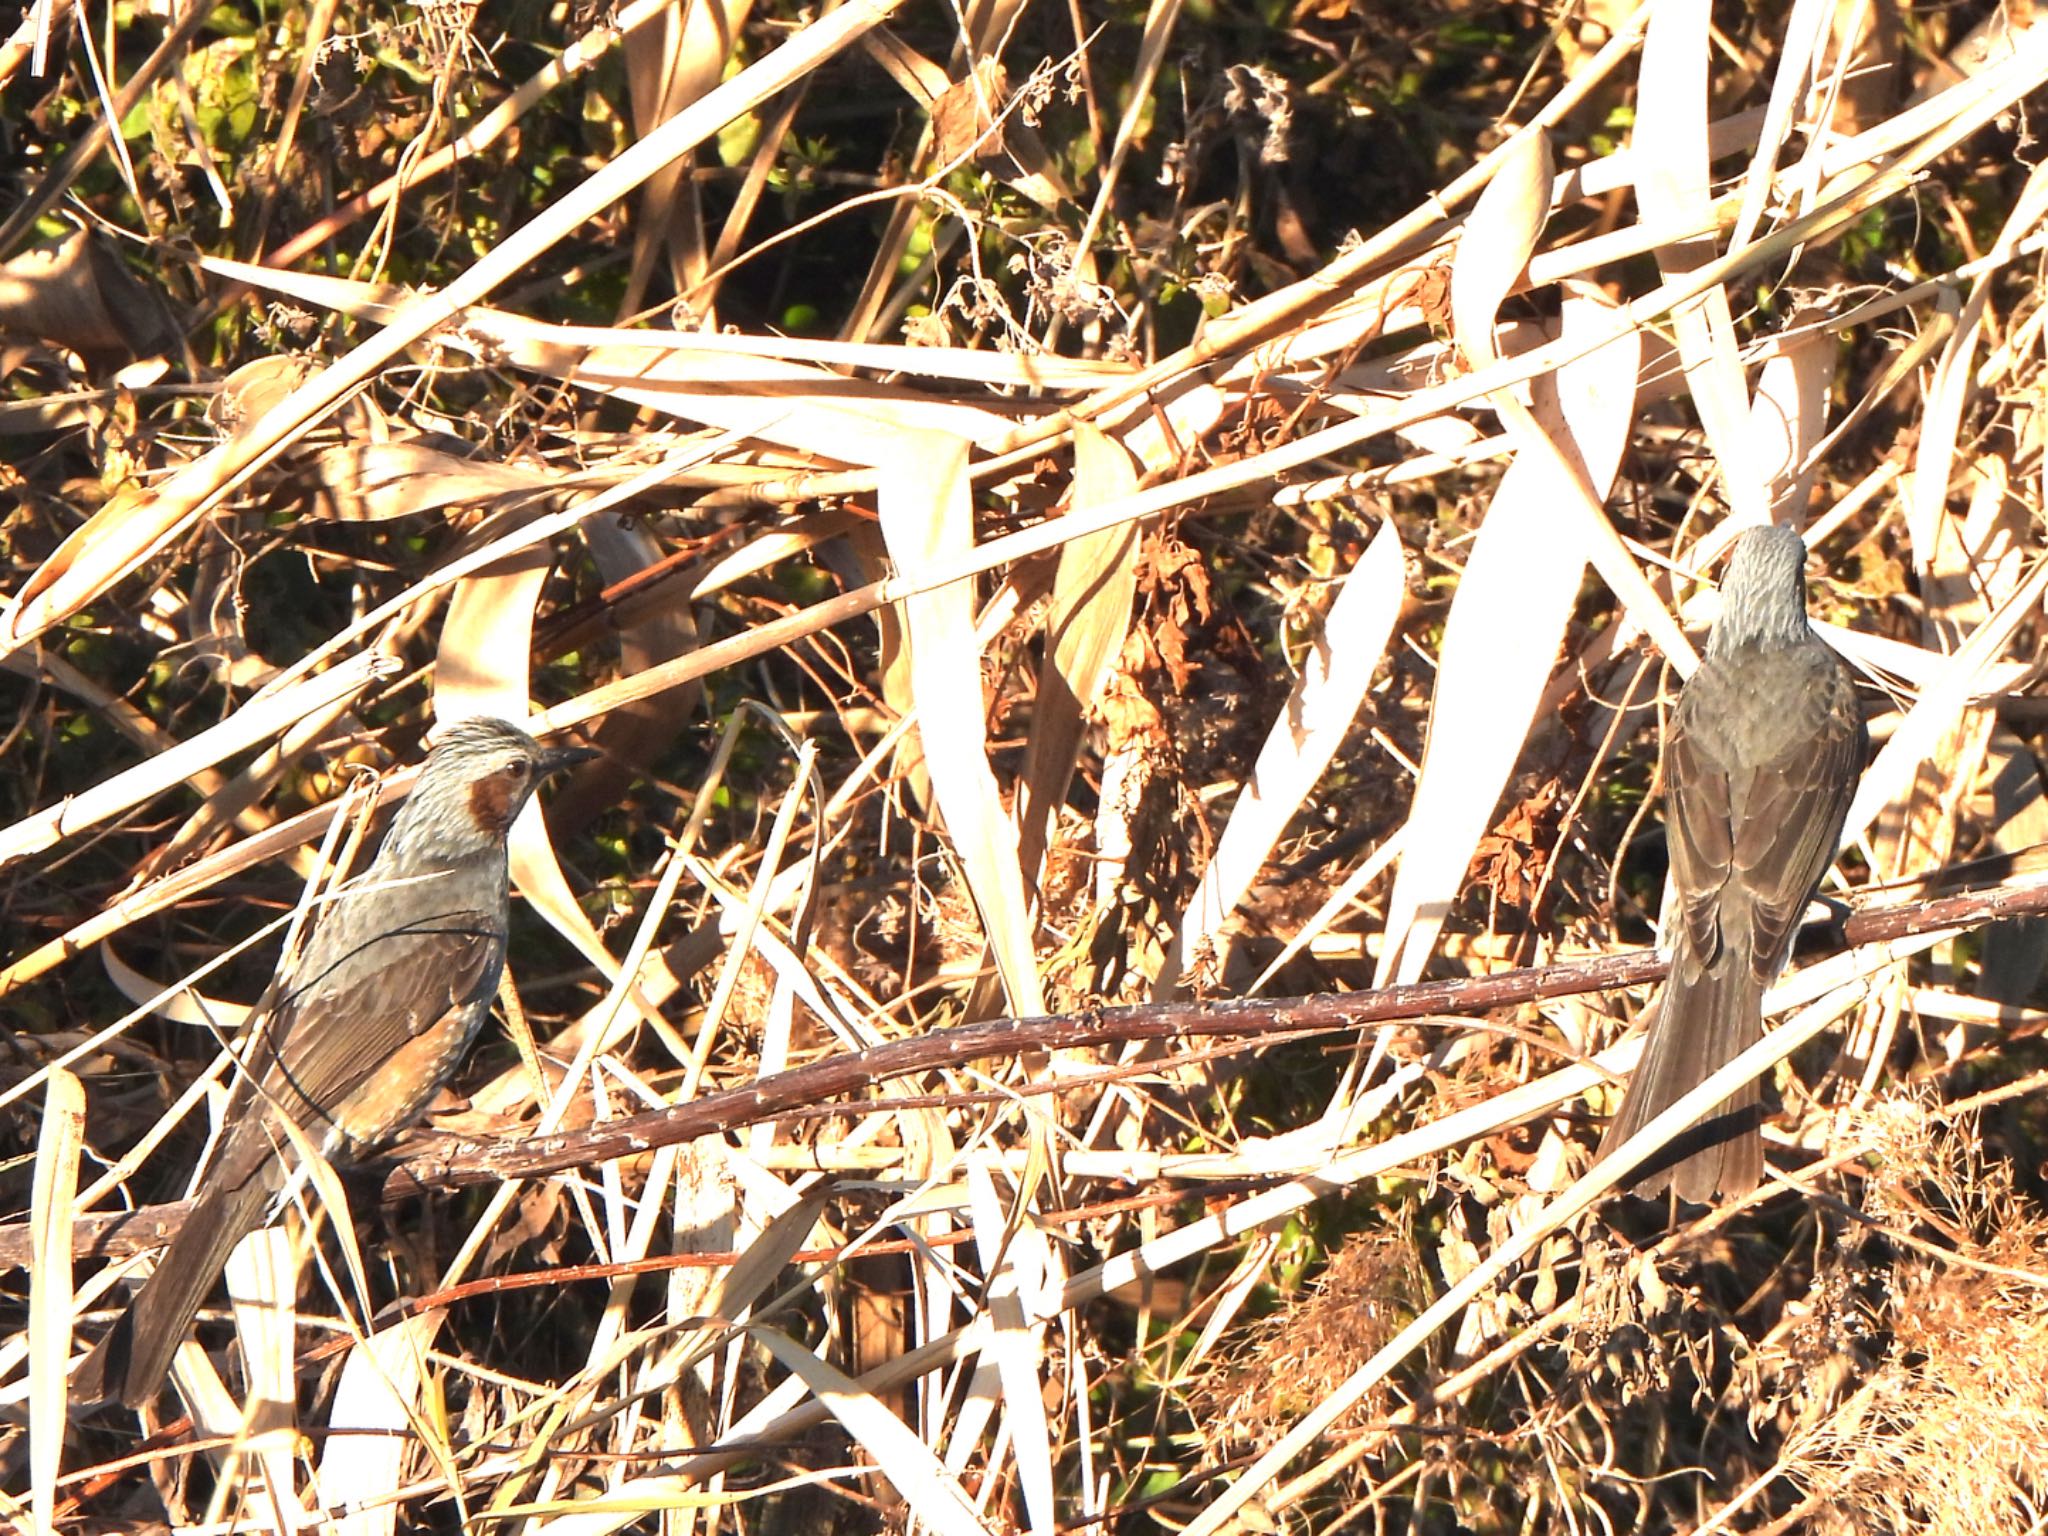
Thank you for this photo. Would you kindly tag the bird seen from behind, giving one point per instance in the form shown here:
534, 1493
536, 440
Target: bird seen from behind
1762, 758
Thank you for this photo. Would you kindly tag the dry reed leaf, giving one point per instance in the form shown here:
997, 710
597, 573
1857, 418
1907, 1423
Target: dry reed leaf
180, 1003
1342, 895
78, 295
234, 803
969, 120
262, 1278
374, 1411
256, 386
922, 80
1970, 571
1955, 383
1320, 708
806, 408
933, 1494
1941, 701
1227, 1301
1089, 617
759, 897
628, 1230
1501, 640
927, 514
1672, 188
374, 482
488, 332
1787, 418
259, 719
672, 59
1498, 239
137, 525
799, 973
52, 1196
216, 1416
1806, 29
1012, 1262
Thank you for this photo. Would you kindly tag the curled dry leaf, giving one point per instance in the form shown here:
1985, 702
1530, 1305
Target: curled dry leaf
927, 514
483, 668
1498, 240
1085, 628
969, 120
78, 295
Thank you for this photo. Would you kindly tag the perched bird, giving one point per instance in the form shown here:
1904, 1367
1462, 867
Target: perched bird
1765, 747
358, 1035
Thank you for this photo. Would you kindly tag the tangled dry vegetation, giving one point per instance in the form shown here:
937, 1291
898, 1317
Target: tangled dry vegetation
1044, 508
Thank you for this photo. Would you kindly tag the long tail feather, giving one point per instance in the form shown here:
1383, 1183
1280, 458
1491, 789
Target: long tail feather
1702, 1022
134, 1357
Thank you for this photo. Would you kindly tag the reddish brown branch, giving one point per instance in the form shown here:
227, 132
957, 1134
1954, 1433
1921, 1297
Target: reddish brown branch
456, 1162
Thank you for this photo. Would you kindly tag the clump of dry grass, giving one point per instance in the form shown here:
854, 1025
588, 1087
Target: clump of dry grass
1949, 1432
1292, 1357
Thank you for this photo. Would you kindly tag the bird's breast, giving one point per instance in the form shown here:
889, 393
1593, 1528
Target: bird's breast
398, 1092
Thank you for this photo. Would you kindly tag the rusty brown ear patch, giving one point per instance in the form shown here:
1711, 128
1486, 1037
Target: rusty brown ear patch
494, 800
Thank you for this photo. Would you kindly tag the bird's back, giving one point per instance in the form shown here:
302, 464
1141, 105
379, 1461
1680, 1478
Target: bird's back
1805, 690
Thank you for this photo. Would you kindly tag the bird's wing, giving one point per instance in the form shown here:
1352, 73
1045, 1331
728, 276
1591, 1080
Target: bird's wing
1792, 823
355, 1000
1697, 830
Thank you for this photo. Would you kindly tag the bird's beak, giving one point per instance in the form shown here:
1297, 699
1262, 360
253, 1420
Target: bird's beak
555, 759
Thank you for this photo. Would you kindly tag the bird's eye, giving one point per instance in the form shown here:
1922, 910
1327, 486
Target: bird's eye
517, 769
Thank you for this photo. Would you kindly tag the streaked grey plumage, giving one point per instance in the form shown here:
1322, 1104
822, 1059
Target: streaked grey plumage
357, 1038
1765, 748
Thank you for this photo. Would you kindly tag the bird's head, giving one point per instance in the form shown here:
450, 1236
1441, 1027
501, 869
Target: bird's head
473, 785
1763, 596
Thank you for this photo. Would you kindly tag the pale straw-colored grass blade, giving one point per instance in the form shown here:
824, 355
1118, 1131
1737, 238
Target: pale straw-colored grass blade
1943, 698
1319, 709
932, 1493
1806, 28
1085, 626
1672, 188
58, 1144
259, 720
378, 481
181, 1004
799, 406
500, 332
1955, 384
671, 59
1498, 239
1787, 417
1501, 640
262, 1279
1013, 1262
376, 1408
927, 515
